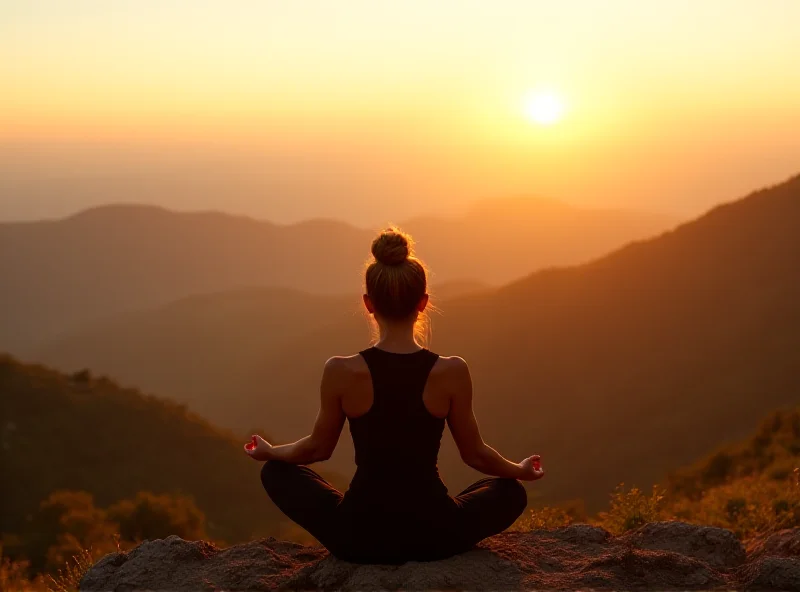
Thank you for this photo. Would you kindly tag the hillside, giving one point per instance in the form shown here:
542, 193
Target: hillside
618, 370
772, 451
62, 432
198, 348
61, 275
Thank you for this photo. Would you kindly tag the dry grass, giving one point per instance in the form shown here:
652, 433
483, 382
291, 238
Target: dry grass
543, 518
69, 577
748, 506
631, 509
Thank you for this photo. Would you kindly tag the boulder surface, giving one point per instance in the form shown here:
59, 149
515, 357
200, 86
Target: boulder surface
660, 556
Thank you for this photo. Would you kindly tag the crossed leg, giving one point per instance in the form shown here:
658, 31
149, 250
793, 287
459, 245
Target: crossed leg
485, 508
305, 497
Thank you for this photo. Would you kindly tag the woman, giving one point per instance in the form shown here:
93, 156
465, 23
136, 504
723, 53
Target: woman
397, 396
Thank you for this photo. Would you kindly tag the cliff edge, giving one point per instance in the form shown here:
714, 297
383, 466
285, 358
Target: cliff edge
657, 556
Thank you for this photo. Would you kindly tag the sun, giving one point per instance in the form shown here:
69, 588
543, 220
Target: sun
544, 108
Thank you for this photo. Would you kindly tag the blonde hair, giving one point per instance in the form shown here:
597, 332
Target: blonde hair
396, 280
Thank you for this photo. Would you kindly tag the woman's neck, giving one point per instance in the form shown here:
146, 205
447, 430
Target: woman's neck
397, 338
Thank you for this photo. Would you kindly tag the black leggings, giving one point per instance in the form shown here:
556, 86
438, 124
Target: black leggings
409, 531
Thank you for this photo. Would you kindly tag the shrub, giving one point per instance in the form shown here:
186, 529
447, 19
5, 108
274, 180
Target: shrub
748, 506
543, 518
14, 575
718, 469
67, 522
82, 376
150, 516
631, 509
549, 517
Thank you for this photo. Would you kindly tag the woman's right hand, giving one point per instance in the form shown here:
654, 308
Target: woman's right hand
531, 468
258, 448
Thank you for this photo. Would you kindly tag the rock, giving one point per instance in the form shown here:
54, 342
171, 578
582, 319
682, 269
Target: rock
784, 543
629, 568
662, 556
175, 564
716, 546
476, 570
772, 573
578, 533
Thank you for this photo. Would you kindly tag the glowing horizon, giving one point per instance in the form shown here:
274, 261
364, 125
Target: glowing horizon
689, 103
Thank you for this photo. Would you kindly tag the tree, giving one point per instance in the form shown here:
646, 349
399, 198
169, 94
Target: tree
150, 516
67, 522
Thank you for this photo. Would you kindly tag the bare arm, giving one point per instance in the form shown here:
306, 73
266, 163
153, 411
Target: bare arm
464, 427
319, 445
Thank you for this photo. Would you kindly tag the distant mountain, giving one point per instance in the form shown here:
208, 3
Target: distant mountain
61, 275
617, 370
444, 291
80, 433
501, 240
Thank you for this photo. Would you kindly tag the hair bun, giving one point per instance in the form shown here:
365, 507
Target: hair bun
391, 247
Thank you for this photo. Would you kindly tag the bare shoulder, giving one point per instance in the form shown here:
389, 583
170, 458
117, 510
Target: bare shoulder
341, 374
345, 366
451, 368
451, 379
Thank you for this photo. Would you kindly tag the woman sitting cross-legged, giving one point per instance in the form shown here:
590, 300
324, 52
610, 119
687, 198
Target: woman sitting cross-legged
397, 397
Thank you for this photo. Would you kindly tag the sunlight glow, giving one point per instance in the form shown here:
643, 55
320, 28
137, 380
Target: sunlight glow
544, 108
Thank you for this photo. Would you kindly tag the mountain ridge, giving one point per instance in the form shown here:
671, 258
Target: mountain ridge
64, 274
476, 207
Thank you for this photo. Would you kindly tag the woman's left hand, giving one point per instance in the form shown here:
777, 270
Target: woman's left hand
258, 449
531, 468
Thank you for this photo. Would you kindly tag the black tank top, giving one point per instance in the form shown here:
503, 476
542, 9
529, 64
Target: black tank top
397, 441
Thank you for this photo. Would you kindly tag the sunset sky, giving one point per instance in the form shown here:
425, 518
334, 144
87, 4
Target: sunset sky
370, 110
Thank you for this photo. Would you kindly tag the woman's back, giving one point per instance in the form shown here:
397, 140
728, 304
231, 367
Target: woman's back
396, 437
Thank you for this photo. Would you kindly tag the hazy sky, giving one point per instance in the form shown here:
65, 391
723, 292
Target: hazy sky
371, 110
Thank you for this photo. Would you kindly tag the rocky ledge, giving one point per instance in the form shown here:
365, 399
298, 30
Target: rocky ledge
658, 556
